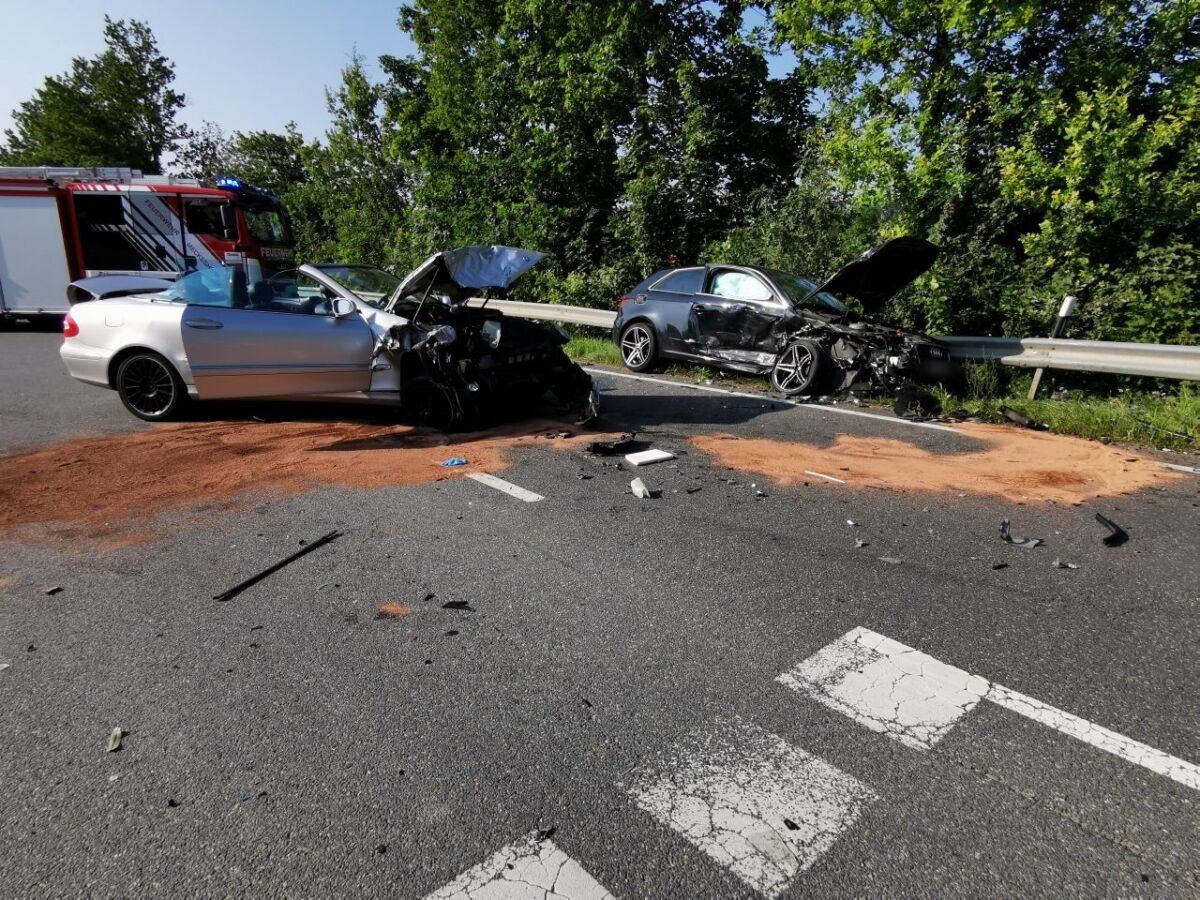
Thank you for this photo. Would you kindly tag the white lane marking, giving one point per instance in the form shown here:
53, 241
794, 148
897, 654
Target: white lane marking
826, 477
760, 807
527, 869
916, 699
766, 398
506, 487
887, 687
1098, 736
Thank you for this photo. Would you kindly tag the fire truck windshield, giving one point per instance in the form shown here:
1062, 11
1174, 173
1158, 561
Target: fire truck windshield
267, 223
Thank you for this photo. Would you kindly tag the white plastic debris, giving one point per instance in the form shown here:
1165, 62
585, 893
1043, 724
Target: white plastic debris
639, 489
1060, 564
646, 457
3, 666
851, 523
826, 477
114, 739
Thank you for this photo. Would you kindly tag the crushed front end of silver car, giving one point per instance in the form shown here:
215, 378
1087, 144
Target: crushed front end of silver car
463, 366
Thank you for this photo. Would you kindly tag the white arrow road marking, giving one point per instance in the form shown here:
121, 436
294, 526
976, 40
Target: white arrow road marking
506, 487
527, 869
762, 808
768, 398
916, 699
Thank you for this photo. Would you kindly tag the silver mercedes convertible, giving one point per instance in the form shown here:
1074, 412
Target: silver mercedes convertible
329, 332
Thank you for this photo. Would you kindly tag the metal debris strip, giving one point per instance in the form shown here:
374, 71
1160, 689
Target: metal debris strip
255, 579
1178, 434
1027, 542
1060, 564
826, 477
891, 560
1116, 534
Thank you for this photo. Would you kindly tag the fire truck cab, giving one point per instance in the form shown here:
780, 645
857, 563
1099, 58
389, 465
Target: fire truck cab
61, 224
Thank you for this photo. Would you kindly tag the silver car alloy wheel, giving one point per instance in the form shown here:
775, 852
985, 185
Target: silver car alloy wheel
147, 386
794, 368
635, 346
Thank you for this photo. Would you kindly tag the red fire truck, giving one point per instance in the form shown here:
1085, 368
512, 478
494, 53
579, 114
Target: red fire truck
60, 224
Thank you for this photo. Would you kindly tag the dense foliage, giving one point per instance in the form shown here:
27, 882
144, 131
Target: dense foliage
1049, 146
116, 109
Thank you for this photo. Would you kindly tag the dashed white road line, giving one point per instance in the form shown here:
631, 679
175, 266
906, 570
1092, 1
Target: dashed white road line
916, 699
527, 869
762, 808
891, 420
506, 487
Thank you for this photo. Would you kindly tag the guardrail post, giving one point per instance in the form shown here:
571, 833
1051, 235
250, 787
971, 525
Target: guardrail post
1068, 307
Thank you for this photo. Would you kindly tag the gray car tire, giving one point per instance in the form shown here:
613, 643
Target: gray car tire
150, 387
639, 346
798, 367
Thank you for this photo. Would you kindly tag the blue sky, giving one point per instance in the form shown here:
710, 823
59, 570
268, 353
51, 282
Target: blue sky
249, 65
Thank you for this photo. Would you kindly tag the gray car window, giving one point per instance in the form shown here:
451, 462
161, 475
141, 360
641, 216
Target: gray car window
682, 281
739, 286
210, 286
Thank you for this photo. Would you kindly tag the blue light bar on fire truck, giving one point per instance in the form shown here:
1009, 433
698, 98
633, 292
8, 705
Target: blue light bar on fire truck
229, 183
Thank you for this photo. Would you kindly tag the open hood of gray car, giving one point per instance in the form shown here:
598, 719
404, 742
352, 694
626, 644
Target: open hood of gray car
467, 271
882, 272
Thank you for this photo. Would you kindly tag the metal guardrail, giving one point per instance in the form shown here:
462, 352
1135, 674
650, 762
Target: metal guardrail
1152, 360
554, 312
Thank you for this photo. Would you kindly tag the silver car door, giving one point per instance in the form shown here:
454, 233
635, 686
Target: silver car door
247, 352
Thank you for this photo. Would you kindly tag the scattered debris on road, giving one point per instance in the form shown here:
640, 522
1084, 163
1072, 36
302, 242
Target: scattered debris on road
1023, 420
464, 605
646, 457
859, 543
913, 402
255, 579
1007, 536
51, 591
1116, 534
1060, 564
851, 523
614, 447
891, 560
453, 462
639, 489
1000, 565
3, 666
392, 610
114, 739
826, 477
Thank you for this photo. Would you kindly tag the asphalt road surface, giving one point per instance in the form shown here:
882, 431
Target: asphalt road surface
711, 693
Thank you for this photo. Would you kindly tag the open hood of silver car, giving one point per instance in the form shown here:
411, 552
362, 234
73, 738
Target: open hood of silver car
467, 271
882, 272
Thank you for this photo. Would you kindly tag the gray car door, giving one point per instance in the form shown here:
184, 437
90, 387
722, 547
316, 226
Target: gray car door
245, 344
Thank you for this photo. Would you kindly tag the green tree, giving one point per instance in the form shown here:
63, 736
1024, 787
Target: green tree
115, 109
1048, 145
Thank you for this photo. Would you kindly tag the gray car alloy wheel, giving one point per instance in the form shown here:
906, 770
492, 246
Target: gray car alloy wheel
148, 387
637, 346
796, 368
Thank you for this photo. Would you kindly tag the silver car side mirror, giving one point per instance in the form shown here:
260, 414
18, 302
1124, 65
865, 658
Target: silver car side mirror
343, 307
